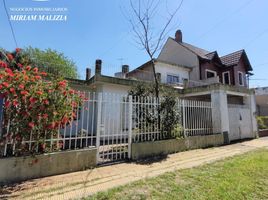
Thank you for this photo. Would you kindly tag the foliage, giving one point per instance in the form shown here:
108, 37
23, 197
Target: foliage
262, 122
165, 110
34, 108
170, 113
50, 61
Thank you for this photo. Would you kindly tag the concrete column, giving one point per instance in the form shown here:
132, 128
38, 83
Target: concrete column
251, 102
220, 116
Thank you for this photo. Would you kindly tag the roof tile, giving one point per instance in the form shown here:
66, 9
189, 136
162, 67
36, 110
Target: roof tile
232, 58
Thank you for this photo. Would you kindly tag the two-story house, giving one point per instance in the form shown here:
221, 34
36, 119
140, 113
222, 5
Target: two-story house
199, 75
207, 67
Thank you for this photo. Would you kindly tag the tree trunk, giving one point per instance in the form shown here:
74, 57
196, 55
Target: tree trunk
157, 95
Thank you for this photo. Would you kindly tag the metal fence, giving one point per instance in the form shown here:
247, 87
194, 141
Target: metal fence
78, 133
111, 122
154, 119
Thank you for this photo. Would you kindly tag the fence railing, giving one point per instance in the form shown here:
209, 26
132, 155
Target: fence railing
77, 134
110, 121
155, 119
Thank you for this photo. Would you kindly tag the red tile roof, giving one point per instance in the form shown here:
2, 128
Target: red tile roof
232, 58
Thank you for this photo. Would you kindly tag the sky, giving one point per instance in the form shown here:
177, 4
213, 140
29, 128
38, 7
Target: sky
100, 29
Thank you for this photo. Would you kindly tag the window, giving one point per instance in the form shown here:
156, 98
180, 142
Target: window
173, 79
226, 78
210, 73
241, 78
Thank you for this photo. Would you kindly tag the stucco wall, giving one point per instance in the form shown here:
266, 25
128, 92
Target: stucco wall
163, 147
16, 169
262, 104
175, 53
167, 69
114, 120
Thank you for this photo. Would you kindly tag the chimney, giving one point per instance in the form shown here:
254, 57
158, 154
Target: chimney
88, 73
125, 69
98, 67
178, 36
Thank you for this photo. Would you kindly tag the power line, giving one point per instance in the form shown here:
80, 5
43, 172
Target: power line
11, 27
255, 38
224, 18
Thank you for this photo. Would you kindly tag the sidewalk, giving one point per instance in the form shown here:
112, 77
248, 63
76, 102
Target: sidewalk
81, 184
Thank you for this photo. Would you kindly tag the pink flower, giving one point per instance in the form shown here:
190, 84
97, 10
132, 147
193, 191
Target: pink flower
62, 83
7, 104
12, 90
39, 92
46, 102
35, 69
18, 50
21, 86
10, 57
38, 77
3, 64
5, 84
20, 65
32, 100
28, 68
15, 103
24, 92
45, 116
31, 125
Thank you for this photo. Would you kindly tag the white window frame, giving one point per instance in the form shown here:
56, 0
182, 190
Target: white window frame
214, 72
239, 72
177, 75
223, 79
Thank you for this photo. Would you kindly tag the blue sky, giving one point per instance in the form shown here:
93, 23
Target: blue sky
98, 29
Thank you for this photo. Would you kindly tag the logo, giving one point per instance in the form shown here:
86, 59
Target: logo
43, 14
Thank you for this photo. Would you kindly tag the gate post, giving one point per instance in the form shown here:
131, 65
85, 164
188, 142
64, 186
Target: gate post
129, 126
98, 124
184, 118
220, 114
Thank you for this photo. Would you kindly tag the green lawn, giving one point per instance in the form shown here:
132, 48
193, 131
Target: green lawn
240, 177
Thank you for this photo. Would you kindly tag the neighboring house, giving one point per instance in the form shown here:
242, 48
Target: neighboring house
208, 67
262, 101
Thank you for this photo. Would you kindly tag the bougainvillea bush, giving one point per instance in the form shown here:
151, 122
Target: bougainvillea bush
34, 107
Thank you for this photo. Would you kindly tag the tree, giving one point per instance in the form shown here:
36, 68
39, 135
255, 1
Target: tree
148, 38
53, 62
50, 61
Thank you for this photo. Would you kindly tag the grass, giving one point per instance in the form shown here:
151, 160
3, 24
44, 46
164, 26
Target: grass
240, 177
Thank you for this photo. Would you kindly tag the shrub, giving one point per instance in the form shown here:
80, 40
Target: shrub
34, 108
165, 115
262, 122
